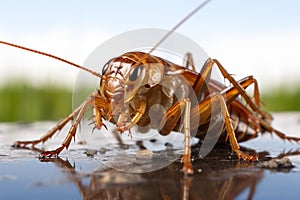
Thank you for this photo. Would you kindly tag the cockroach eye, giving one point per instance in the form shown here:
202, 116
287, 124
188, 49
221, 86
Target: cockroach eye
135, 73
104, 69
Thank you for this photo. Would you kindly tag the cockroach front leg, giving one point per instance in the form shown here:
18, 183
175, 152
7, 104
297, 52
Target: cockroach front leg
58, 127
72, 132
169, 121
76, 116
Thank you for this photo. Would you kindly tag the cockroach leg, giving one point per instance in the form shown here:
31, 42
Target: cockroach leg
242, 91
204, 109
186, 157
72, 131
230, 131
281, 135
50, 133
169, 121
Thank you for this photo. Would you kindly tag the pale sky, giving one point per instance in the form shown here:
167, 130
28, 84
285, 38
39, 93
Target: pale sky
260, 38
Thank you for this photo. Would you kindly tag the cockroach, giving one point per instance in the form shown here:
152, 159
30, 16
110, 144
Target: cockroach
133, 82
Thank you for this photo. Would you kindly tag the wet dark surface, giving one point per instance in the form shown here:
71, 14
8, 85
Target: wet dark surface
77, 174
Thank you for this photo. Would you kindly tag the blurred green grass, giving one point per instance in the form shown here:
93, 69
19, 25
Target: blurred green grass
282, 99
24, 103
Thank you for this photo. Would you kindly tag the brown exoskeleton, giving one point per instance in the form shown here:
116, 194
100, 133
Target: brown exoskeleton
133, 82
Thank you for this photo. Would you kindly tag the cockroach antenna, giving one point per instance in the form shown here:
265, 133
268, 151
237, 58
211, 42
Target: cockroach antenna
52, 56
173, 30
179, 24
